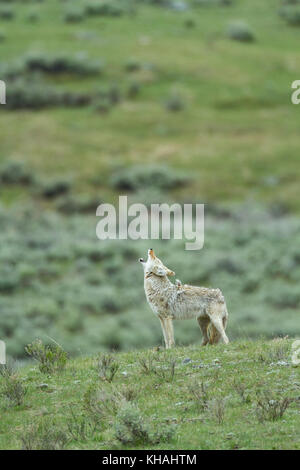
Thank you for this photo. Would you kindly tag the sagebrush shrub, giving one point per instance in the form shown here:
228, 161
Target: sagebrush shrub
240, 31
174, 103
133, 65
100, 405
57, 64
131, 428
107, 367
217, 407
55, 187
140, 176
291, 14
74, 15
15, 172
46, 435
208, 3
12, 388
200, 394
35, 94
80, 427
33, 16
104, 8
269, 407
133, 89
6, 12
51, 358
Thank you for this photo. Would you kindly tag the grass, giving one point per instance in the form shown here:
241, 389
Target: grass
237, 117
190, 99
246, 399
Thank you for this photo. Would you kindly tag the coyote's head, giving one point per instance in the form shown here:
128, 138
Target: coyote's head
153, 265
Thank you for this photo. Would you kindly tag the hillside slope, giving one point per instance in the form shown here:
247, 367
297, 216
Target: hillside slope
224, 397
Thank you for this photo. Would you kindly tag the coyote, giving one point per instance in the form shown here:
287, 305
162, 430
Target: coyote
180, 301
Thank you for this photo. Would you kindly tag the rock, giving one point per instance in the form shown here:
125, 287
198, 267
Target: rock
186, 360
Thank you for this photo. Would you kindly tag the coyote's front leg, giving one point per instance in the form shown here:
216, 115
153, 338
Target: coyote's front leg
168, 332
164, 330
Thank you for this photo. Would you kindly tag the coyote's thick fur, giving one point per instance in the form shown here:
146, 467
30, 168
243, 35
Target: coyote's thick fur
180, 301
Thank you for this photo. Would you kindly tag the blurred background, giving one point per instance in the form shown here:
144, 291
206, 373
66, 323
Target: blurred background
162, 100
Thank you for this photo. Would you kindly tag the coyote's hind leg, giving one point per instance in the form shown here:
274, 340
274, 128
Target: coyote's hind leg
218, 324
203, 323
216, 315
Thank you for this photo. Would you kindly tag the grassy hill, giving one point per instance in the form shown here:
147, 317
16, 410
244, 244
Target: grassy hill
241, 396
97, 101
236, 128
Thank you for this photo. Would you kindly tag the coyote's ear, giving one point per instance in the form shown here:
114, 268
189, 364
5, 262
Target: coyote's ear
159, 271
170, 273
162, 271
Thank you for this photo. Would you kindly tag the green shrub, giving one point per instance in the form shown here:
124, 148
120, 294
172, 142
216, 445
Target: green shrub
104, 8
80, 428
240, 31
6, 12
51, 358
133, 90
270, 407
190, 23
74, 15
200, 394
27, 94
57, 64
12, 388
285, 296
33, 16
140, 176
155, 2
131, 428
9, 279
207, 3
133, 65
70, 204
54, 188
174, 103
217, 407
46, 435
102, 105
291, 14
100, 405
15, 172
107, 367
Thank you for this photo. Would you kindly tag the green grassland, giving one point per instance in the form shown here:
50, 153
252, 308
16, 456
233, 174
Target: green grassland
217, 397
237, 129
98, 105
163, 88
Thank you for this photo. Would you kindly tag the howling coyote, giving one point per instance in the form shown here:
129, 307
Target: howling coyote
181, 301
